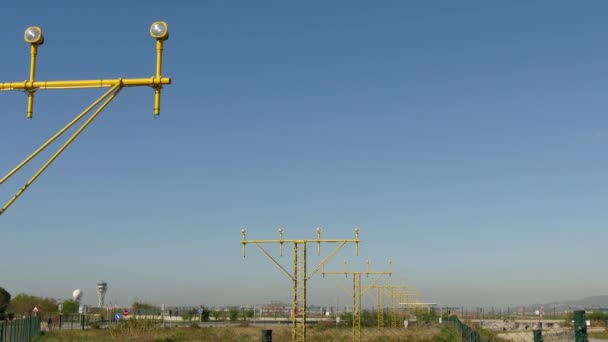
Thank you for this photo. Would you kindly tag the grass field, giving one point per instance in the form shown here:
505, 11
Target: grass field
142, 331
599, 334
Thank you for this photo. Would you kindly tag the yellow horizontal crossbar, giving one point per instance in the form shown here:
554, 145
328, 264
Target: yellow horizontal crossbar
74, 84
296, 241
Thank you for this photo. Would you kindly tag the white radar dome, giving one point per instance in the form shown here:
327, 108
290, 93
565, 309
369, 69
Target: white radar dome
77, 294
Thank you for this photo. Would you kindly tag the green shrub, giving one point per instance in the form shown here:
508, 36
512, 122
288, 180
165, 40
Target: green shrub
5, 299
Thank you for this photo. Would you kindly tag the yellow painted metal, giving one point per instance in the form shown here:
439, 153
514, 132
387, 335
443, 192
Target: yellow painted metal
358, 291
395, 295
158, 86
393, 308
31, 85
82, 84
380, 307
299, 275
356, 307
58, 134
276, 263
30, 94
329, 256
411, 298
298, 308
61, 149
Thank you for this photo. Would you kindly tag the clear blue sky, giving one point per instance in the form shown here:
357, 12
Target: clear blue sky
467, 140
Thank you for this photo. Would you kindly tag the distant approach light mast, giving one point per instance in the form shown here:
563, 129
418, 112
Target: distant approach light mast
102, 288
299, 276
396, 292
357, 292
33, 35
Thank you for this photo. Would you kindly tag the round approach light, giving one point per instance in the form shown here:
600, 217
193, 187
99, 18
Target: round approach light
159, 30
33, 35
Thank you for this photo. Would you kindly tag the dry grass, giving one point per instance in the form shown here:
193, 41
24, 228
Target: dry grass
603, 334
142, 331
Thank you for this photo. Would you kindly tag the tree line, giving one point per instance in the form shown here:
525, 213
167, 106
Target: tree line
24, 304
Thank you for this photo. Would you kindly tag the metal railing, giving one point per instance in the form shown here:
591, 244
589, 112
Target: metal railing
19, 330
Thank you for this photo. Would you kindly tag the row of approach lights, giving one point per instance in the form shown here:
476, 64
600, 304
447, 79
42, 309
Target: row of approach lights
33, 35
158, 30
318, 240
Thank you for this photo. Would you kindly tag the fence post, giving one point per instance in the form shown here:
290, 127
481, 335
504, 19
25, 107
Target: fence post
36, 326
580, 326
538, 335
266, 335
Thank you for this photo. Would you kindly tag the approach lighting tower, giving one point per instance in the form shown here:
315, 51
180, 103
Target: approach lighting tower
33, 35
357, 292
396, 292
299, 275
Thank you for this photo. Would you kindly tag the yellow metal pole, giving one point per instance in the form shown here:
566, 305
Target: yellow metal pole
159, 57
30, 93
274, 261
300, 275
58, 134
303, 282
61, 149
294, 300
357, 307
357, 293
159, 63
380, 307
393, 308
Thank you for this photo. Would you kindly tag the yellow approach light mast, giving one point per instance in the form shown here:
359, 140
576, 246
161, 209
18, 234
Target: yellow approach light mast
300, 275
396, 293
357, 291
33, 35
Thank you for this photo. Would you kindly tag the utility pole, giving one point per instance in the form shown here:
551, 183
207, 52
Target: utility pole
299, 276
33, 35
357, 292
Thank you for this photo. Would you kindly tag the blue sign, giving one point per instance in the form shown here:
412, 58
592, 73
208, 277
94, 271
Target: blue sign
200, 311
117, 317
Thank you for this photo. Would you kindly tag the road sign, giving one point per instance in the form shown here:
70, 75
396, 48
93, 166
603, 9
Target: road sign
35, 309
200, 311
125, 313
117, 316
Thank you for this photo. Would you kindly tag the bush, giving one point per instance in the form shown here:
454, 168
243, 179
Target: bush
233, 314
5, 299
187, 315
24, 304
70, 307
139, 308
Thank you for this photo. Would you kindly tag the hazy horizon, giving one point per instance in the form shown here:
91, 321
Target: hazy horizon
467, 140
